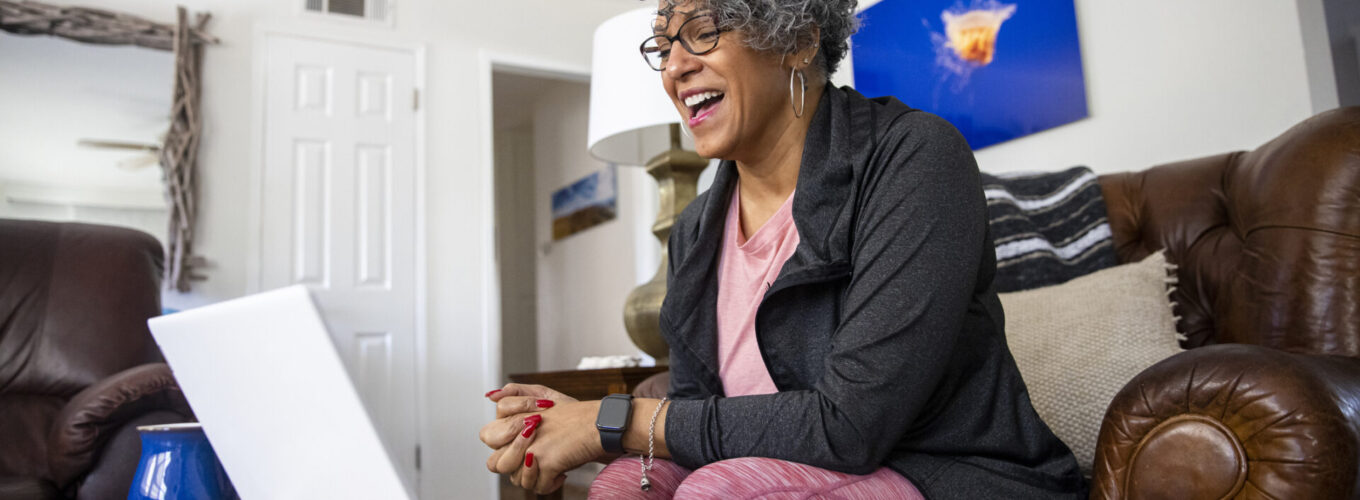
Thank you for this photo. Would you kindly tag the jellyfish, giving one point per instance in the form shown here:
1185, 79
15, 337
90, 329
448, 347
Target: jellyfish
968, 40
972, 34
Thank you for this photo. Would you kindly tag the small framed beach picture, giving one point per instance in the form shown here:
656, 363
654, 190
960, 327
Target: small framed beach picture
584, 204
997, 70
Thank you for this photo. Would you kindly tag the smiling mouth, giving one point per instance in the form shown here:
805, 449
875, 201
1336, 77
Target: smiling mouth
697, 103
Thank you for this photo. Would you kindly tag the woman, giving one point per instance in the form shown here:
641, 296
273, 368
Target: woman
830, 311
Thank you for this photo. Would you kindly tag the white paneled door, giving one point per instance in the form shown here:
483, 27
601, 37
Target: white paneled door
339, 212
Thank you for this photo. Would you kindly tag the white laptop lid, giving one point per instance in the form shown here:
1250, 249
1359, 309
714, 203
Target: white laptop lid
264, 378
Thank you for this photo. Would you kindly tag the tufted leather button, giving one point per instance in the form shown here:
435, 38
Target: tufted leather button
1209, 454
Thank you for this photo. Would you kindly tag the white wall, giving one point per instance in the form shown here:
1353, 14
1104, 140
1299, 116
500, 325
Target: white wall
516, 240
1168, 80
454, 33
583, 279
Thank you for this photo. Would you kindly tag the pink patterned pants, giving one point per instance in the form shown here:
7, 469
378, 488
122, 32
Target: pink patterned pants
746, 478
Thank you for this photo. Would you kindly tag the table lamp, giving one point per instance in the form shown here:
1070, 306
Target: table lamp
631, 118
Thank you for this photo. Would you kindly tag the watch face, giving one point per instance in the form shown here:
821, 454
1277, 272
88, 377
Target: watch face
613, 414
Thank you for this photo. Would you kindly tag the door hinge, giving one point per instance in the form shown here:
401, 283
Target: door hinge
415, 100
417, 457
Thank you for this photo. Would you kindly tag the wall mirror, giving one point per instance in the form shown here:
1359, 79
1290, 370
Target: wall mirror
98, 128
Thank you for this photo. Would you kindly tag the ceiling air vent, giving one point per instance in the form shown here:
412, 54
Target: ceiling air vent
374, 10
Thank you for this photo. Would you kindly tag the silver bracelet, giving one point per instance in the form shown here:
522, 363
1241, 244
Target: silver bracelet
650, 460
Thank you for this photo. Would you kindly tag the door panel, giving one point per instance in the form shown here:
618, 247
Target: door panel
339, 212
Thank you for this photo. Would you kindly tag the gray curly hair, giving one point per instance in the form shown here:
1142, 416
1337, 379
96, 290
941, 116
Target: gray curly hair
784, 26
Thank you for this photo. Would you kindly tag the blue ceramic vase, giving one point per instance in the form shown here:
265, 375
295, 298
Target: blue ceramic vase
179, 463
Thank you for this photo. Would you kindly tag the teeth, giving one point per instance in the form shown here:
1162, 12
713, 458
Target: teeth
695, 99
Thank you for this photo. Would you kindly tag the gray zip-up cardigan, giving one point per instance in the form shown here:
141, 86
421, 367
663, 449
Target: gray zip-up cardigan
882, 331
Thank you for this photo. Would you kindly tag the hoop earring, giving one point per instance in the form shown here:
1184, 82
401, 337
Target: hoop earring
802, 101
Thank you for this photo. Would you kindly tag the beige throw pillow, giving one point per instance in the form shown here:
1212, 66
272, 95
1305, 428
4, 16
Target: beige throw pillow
1078, 343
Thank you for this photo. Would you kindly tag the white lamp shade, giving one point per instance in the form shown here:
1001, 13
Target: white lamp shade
629, 110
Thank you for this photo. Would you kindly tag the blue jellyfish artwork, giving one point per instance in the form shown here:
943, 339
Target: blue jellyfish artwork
996, 70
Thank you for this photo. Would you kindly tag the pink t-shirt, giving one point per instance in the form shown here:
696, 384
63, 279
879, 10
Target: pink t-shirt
746, 270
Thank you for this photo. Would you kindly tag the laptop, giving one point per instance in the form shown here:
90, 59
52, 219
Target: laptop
275, 401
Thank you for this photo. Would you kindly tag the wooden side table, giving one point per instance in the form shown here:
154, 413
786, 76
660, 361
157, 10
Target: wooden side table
588, 385
584, 385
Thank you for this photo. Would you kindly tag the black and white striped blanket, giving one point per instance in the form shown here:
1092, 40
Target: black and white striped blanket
1048, 228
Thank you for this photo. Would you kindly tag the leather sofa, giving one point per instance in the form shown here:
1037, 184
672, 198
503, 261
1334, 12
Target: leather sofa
1265, 403
79, 369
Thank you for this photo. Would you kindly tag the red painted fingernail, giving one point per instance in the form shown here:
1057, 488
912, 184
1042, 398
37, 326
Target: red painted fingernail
493, 391
528, 459
535, 419
529, 428
545, 403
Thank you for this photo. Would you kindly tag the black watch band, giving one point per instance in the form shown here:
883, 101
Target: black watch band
612, 421
612, 441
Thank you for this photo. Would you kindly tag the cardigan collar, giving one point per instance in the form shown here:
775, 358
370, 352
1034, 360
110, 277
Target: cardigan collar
838, 138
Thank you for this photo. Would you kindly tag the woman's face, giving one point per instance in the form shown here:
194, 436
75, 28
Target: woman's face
734, 99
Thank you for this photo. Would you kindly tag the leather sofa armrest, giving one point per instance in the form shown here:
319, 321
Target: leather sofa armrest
655, 386
1234, 419
95, 414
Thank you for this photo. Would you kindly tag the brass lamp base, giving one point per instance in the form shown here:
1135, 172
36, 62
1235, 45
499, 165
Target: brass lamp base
677, 176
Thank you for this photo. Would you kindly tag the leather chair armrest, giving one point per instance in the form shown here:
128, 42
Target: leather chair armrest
95, 414
1234, 419
110, 476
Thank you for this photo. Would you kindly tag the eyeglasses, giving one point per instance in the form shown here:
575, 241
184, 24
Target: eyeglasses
698, 35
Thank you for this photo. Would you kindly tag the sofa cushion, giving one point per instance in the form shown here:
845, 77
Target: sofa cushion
27, 488
1078, 343
24, 418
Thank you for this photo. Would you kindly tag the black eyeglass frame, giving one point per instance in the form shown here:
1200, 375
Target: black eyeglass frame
642, 48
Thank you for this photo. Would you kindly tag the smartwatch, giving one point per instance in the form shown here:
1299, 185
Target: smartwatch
612, 421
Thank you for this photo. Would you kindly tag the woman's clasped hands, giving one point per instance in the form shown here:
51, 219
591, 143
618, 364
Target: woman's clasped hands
539, 434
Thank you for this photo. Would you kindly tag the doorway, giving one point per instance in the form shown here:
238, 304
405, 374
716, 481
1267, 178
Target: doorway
513, 98
561, 298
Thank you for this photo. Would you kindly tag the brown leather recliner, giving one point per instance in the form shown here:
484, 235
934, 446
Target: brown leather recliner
79, 369
1268, 244
1268, 248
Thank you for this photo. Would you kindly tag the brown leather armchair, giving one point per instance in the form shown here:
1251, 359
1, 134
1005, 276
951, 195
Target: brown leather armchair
79, 369
1266, 403
1268, 244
